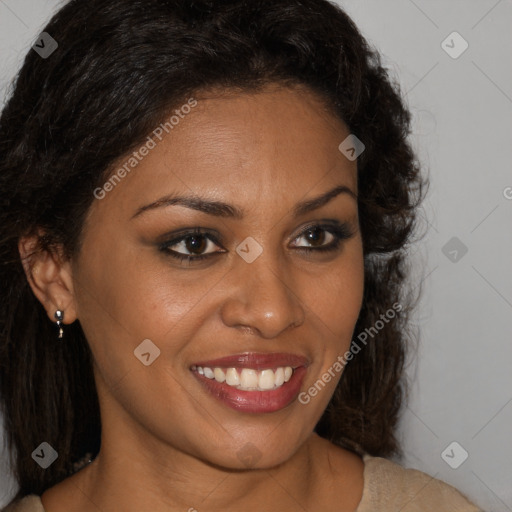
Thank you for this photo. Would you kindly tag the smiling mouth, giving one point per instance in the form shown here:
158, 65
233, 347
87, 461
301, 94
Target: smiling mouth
248, 379
253, 382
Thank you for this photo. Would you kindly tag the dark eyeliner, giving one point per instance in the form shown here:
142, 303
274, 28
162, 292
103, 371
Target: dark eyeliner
339, 231
183, 235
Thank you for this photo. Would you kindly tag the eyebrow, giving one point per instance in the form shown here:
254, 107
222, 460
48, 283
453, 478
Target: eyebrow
221, 209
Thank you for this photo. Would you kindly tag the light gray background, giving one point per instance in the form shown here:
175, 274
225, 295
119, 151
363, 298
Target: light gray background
462, 380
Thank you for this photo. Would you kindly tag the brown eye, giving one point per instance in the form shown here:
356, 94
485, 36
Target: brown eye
191, 246
323, 238
198, 245
195, 243
316, 236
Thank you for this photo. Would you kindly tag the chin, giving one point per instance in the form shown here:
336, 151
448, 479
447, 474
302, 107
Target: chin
263, 451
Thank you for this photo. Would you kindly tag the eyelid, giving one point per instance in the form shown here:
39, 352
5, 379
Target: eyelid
333, 226
339, 230
176, 236
216, 237
183, 234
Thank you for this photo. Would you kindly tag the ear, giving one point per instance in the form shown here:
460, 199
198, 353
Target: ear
50, 276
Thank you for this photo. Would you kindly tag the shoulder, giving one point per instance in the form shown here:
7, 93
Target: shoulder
389, 486
30, 503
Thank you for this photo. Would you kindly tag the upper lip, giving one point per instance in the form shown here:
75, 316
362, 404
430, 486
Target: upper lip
257, 361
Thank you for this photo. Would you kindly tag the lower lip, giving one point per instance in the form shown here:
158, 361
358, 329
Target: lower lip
255, 401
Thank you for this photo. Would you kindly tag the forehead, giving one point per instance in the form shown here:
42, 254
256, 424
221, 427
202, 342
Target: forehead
242, 147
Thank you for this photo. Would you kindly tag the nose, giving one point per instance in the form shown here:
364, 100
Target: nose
261, 298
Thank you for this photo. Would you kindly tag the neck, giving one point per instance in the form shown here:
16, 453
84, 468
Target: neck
178, 481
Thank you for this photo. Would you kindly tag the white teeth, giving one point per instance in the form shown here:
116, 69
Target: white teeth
248, 379
232, 377
266, 380
208, 372
279, 376
219, 375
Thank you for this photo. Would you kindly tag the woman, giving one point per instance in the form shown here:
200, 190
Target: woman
204, 202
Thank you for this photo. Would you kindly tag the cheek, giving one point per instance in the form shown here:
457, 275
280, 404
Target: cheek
336, 299
124, 299
134, 295
336, 306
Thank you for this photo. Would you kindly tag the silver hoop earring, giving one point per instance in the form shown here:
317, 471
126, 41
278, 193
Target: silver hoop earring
59, 317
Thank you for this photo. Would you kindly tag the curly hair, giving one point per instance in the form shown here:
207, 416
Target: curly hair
120, 67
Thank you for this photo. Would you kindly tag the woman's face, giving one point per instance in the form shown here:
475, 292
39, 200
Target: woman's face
251, 167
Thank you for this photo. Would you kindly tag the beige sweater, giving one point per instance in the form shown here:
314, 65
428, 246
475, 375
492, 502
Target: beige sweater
388, 487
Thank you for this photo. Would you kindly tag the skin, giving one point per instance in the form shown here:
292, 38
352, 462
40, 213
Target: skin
166, 443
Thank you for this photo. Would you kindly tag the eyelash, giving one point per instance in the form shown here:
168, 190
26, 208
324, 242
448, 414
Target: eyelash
340, 233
